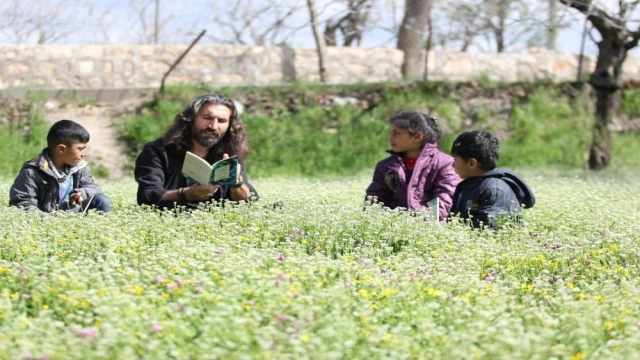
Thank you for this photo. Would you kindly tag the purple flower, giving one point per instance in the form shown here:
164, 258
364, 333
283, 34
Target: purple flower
282, 318
280, 257
219, 252
85, 333
159, 278
556, 246
157, 328
179, 282
199, 288
366, 261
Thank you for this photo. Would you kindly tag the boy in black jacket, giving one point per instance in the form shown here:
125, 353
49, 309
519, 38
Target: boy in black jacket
486, 194
59, 178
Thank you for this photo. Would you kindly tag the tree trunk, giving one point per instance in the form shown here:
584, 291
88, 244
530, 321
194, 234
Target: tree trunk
600, 152
552, 31
411, 36
319, 36
607, 82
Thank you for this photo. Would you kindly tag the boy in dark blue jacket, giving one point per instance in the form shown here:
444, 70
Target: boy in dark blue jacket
486, 195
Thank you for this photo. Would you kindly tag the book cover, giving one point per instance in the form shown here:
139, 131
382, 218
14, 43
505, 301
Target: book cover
223, 172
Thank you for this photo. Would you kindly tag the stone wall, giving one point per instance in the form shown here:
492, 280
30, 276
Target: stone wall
99, 67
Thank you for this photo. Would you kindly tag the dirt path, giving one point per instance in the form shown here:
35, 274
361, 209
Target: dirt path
104, 148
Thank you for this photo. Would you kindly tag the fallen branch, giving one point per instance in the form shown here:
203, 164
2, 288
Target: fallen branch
179, 59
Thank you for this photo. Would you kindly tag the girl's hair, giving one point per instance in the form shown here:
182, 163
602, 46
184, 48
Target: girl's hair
234, 142
417, 122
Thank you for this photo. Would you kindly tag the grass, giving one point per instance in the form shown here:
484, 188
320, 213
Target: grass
319, 277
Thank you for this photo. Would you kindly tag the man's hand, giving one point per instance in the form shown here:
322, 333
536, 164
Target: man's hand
200, 192
76, 199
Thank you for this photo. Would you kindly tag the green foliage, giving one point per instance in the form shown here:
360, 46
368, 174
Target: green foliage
546, 131
336, 140
631, 103
625, 150
100, 171
21, 140
148, 126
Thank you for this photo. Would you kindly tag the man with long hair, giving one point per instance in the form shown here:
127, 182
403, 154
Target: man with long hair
208, 127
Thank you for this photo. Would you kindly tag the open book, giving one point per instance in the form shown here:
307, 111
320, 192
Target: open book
223, 172
434, 209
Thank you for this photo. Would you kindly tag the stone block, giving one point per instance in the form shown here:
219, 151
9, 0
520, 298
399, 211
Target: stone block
86, 66
91, 51
107, 67
358, 69
48, 67
8, 55
146, 50
121, 51
17, 68
95, 83
199, 62
128, 69
58, 51
154, 67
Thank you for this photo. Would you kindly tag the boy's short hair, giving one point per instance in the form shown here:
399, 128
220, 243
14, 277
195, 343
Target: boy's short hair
66, 132
480, 145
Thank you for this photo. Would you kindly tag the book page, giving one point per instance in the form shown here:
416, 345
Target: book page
434, 209
221, 173
196, 168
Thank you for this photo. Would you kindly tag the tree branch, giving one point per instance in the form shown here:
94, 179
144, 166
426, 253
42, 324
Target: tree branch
601, 19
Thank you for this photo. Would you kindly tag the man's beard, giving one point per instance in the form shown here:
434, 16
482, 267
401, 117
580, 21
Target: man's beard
206, 138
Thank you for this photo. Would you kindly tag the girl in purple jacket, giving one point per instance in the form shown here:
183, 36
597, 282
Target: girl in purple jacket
416, 172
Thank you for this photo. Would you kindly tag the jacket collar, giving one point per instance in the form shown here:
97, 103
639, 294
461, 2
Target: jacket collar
45, 164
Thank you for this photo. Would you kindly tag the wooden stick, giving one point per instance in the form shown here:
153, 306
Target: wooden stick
180, 59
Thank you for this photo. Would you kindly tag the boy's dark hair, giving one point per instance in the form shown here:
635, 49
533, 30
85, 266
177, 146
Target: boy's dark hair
480, 145
66, 132
415, 122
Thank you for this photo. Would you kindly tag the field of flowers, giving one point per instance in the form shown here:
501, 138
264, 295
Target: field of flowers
307, 273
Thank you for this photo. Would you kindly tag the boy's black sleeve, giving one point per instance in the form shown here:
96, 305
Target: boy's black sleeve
495, 200
86, 185
24, 191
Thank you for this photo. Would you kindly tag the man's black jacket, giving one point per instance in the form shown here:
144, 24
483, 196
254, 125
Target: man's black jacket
159, 168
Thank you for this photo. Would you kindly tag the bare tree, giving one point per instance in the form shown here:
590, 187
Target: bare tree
320, 42
251, 22
462, 24
43, 22
148, 25
411, 35
508, 21
351, 23
616, 41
